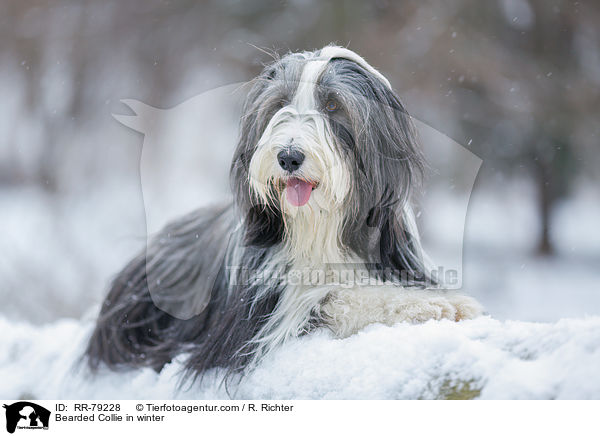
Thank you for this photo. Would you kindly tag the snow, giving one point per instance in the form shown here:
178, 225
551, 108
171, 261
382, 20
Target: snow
482, 358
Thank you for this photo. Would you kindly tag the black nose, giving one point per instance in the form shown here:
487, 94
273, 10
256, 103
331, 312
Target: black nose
290, 160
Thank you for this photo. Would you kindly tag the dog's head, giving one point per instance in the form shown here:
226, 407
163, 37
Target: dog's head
326, 142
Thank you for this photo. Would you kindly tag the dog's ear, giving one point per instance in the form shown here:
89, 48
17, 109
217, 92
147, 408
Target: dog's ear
264, 222
398, 168
387, 167
389, 244
255, 117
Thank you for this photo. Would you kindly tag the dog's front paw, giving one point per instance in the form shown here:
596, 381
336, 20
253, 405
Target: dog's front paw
465, 307
348, 311
421, 306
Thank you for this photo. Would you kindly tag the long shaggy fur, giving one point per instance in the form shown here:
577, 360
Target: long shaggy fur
217, 284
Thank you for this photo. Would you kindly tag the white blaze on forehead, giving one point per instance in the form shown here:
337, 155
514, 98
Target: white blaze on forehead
304, 100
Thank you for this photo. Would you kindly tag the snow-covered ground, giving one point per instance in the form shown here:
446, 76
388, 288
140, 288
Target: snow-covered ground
482, 358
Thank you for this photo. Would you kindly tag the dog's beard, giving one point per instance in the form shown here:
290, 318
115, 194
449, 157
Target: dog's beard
323, 168
312, 199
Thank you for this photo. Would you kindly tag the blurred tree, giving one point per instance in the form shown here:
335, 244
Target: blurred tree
536, 39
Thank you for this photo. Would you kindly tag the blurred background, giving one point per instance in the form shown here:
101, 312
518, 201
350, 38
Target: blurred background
516, 82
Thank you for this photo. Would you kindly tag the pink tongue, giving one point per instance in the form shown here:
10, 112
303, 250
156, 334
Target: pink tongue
298, 191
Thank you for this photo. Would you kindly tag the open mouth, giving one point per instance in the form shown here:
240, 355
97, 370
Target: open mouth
298, 191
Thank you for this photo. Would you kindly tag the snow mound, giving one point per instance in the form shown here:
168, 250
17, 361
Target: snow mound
483, 358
